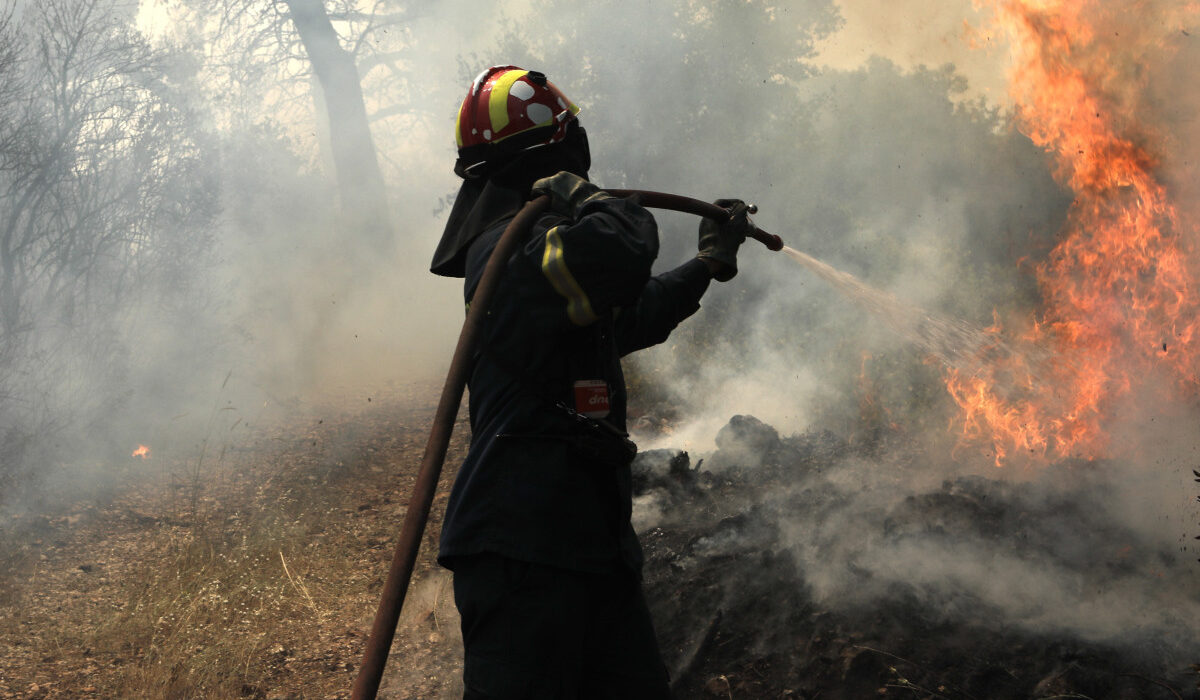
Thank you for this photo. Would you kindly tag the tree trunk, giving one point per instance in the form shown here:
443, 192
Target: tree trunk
360, 181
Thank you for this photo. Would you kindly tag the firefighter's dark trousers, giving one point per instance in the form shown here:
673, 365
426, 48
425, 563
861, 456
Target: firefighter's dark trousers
537, 632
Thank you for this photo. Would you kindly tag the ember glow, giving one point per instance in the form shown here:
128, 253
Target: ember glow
1118, 289
142, 451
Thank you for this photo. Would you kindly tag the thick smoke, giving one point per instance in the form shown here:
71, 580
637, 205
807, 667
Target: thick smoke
906, 178
902, 170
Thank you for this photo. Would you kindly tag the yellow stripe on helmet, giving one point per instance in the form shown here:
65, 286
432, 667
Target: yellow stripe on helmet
498, 101
458, 125
554, 267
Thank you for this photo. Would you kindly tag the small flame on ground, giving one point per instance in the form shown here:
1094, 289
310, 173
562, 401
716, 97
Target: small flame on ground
142, 451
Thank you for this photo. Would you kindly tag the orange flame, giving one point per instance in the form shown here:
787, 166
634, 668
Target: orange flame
1118, 291
142, 451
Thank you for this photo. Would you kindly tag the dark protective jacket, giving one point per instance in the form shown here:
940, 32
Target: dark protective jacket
541, 483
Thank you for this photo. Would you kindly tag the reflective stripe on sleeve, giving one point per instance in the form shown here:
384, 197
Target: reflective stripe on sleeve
554, 267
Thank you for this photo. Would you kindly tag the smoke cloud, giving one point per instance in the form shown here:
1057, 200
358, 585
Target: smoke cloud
903, 169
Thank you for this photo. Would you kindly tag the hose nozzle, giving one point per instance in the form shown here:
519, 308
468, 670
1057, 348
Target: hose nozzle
674, 202
770, 240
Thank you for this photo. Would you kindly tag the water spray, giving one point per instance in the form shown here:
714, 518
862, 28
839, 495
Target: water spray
957, 344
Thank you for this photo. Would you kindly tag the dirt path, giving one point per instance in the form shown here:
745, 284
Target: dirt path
254, 577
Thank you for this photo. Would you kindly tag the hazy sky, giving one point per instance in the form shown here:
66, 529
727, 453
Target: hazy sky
911, 33
908, 32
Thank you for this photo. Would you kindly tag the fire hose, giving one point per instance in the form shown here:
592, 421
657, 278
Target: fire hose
395, 587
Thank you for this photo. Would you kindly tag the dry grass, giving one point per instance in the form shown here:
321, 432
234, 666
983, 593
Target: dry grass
203, 611
251, 574
15, 564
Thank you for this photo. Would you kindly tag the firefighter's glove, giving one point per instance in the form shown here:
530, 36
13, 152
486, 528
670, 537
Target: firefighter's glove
719, 242
568, 193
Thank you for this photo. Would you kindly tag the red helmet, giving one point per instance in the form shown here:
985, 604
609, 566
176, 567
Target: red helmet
509, 110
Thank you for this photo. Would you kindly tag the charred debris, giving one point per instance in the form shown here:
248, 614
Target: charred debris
805, 567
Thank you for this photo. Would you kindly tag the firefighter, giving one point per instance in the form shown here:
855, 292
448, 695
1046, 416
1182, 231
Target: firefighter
547, 567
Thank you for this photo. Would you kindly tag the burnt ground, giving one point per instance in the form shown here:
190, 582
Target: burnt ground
254, 573
729, 580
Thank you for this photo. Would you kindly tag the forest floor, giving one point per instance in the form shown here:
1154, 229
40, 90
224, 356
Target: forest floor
252, 572
253, 568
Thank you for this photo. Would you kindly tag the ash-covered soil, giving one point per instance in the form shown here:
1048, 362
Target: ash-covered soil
777, 567
805, 567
